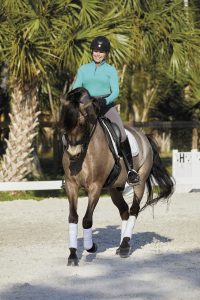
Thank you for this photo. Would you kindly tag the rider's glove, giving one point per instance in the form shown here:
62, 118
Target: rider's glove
101, 104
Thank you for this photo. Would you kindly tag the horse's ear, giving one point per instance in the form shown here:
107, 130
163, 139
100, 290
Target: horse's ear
63, 100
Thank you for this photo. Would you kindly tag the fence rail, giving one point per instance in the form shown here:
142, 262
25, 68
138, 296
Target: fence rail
166, 125
31, 185
152, 124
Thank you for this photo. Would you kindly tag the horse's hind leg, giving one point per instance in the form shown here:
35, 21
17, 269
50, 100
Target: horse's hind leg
124, 249
119, 202
72, 193
93, 197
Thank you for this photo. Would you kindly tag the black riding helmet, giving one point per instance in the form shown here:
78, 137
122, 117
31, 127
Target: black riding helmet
100, 43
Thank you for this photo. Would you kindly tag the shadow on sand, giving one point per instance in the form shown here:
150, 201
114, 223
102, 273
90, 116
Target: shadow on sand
121, 280
108, 237
130, 278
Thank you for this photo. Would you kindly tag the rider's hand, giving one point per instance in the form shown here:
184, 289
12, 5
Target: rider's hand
101, 104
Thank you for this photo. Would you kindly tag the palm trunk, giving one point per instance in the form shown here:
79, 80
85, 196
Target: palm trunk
195, 138
16, 164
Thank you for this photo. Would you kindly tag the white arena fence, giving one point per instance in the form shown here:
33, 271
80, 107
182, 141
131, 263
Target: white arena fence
186, 170
31, 185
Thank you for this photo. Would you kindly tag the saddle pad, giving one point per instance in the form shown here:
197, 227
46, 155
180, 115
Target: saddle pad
133, 143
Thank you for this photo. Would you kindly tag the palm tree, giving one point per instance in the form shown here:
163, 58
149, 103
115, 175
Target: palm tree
33, 35
164, 44
26, 55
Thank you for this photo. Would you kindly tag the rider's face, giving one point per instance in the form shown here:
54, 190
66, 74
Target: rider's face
98, 56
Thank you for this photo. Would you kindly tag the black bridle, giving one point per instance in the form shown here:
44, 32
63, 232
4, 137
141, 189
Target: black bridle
84, 140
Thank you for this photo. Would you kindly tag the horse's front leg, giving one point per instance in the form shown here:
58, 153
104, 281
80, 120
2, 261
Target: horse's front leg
93, 197
72, 193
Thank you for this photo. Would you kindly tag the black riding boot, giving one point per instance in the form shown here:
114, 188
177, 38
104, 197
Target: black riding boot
132, 176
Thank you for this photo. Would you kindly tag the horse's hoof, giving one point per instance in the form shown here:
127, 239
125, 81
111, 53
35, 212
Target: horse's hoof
117, 251
124, 252
72, 262
93, 249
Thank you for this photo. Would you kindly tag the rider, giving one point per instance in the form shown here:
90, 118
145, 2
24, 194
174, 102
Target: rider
101, 81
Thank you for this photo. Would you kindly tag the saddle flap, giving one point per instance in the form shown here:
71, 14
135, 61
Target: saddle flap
113, 135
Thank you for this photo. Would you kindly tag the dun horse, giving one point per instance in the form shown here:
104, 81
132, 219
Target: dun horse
87, 163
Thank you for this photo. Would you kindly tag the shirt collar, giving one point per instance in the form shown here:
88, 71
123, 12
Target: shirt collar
102, 63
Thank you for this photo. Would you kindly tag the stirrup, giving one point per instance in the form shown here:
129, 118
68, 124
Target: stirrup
133, 177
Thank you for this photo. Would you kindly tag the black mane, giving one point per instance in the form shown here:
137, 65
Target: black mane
78, 95
71, 106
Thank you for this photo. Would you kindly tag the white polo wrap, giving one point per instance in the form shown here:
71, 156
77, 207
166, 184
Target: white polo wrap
87, 237
73, 233
123, 227
129, 226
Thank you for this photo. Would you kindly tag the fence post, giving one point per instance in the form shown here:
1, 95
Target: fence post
186, 170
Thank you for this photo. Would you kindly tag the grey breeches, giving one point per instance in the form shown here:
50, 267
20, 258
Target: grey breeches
114, 117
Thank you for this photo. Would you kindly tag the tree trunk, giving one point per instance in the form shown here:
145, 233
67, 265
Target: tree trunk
194, 138
16, 164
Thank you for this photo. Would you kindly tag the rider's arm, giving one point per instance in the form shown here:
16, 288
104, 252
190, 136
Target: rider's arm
114, 86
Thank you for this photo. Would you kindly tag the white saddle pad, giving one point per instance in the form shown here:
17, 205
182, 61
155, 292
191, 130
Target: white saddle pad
133, 143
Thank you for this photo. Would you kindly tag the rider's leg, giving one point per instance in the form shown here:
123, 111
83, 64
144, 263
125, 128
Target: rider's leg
114, 117
133, 177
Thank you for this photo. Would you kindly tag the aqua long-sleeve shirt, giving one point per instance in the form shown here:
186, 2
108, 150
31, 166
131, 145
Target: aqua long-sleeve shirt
99, 81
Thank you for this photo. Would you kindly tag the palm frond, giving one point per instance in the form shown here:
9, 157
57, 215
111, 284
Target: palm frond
13, 6
90, 11
28, 58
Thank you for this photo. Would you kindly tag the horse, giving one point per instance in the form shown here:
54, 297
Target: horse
87, 162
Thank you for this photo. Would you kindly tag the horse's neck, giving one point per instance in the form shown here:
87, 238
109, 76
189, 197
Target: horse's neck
98, 157
98, 136
98, 141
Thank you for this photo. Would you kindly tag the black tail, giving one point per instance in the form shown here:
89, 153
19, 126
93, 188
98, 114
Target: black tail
158, 177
